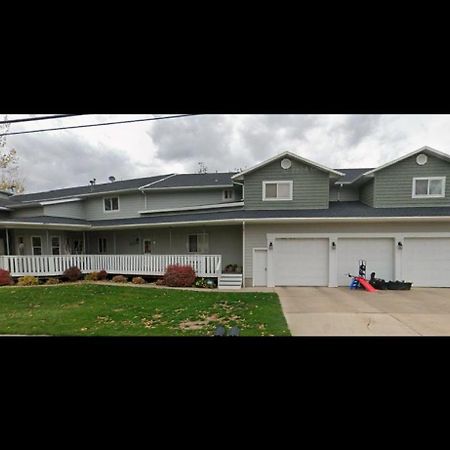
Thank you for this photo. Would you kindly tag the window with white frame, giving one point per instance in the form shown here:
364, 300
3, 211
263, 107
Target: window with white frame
430, 187
228, 194
102, 245
110, 204
277, 190
198, 243
36, 245
56, 245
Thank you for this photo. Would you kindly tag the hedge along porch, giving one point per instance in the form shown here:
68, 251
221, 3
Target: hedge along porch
207, 248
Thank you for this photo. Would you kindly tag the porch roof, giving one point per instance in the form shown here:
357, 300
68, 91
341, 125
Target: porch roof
337, 210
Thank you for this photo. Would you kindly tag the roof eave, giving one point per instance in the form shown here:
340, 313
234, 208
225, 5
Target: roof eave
239, 175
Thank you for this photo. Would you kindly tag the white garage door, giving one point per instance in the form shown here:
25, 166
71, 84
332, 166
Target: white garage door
300, 262
377, 252
426, 261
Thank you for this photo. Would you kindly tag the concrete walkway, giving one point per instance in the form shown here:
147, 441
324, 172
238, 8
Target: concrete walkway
317, 311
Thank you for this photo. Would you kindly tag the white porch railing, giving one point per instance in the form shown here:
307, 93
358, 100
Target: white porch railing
49, 265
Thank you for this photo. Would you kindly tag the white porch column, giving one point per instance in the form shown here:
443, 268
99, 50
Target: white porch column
7, 241
243, 253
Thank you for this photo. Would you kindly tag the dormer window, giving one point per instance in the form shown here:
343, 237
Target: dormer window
431, 187
228, 194
277, 190
111, 204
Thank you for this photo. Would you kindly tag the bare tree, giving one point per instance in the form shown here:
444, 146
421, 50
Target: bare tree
9, 168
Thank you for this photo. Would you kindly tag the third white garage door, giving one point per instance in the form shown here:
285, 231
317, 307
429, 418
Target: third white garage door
426, 261
378, 252
300, 262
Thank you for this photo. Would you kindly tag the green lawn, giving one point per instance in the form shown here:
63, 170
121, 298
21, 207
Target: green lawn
99, 310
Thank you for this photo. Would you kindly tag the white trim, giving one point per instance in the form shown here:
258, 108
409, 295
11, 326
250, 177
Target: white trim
112, 210
277, 182
443, 181
430, 150
32, 246
212, 186
292, 155
192, 208
55, 202
157, 181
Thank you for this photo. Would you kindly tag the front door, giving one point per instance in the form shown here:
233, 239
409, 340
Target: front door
259, 267
147, 245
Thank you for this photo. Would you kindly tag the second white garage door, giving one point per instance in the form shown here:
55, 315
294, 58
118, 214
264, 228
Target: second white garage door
426, 262
378, 252
300, 262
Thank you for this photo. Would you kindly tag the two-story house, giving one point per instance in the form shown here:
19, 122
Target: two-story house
287, 221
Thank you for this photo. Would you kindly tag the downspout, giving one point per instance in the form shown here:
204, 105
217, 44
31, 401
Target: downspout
84, 243
243, 253
46, 235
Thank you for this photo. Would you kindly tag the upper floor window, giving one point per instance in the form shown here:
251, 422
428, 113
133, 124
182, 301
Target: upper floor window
228, 194
277, 190
431, 187
111, 204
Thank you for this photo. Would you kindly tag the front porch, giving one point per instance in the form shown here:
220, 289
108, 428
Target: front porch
144, 264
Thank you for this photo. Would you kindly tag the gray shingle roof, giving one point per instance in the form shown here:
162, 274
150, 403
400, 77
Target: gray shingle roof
336, 209
195, 179
350, 175
79, 190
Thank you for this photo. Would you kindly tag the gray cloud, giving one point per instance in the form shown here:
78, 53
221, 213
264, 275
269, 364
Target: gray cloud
222, 142
225, 144
63, 160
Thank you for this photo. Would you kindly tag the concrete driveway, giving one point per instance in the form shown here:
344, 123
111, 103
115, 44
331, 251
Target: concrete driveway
321, 311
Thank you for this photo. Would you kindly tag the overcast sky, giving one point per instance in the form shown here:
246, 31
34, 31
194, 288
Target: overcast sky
58, 159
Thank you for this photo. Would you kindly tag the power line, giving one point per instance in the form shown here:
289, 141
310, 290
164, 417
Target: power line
98, 124
31, 119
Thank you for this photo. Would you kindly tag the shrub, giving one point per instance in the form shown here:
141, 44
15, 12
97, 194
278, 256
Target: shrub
73, 273
160, 282
5, 278
138, 280
119, 279
28, 280
53, 281
102, 275
179, 276
200, 282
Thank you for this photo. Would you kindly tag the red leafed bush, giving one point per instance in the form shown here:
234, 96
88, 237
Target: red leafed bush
102, 275
5, 278
73, 273
179, 276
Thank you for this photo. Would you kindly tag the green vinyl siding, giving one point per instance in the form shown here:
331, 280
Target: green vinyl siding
366, 192
393, 185
310, 187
